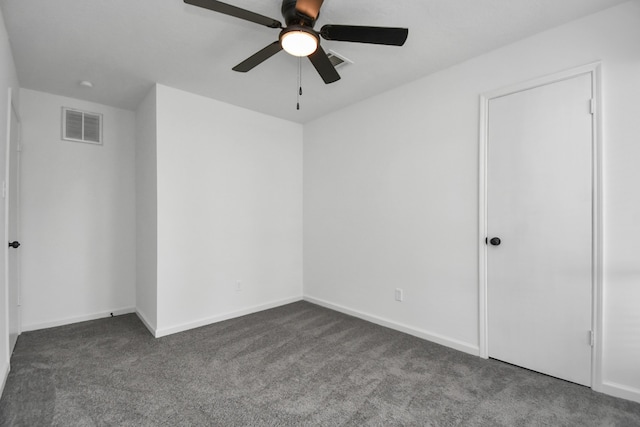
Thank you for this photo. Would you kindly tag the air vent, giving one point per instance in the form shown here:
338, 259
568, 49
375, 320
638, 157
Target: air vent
81, 126
338, 60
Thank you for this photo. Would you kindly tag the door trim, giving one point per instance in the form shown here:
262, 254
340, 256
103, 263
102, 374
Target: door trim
12, 109
594, 69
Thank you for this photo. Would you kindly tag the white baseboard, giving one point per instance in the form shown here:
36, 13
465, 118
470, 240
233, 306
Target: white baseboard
76, 319
621, 391
145, 321
4, 372
161, 332
426, 335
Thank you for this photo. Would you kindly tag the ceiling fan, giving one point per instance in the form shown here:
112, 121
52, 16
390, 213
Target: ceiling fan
300, 39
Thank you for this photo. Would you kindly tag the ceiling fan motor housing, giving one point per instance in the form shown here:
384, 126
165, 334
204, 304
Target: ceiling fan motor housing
293, 17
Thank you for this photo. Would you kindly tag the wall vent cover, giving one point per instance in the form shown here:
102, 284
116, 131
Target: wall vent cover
338, 60
81, 126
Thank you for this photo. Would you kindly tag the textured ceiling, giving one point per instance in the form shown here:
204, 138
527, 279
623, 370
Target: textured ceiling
124, 46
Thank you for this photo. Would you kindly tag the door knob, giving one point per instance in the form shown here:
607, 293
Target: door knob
14, 244
495, 241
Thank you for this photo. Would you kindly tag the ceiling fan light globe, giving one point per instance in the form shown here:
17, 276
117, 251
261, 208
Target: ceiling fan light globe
299, 43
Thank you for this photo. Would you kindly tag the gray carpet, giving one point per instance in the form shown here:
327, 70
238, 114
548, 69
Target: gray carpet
295, 365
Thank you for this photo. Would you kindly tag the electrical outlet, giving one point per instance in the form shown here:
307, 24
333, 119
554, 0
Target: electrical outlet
238, 286
399, 294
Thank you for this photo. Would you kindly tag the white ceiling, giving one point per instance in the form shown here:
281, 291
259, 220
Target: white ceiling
124, 46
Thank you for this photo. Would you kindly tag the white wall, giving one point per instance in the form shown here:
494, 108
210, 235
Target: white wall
8, 79
229, 208
146, 211
391, 192
78, 215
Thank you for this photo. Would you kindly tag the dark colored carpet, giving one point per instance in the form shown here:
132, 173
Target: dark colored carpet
295, 365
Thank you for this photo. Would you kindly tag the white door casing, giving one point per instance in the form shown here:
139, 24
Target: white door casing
540, 290
11, 196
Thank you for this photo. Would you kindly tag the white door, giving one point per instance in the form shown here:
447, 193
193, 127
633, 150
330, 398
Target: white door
12, 205
539, 204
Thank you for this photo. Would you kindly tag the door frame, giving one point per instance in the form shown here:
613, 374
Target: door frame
12, 109
594, 69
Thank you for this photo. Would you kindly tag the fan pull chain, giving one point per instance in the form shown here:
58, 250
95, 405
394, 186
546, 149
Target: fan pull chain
299, 82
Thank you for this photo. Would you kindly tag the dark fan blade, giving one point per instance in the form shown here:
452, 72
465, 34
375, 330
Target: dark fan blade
376, 35
310, 8
324, 67
258, 57
227, 9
